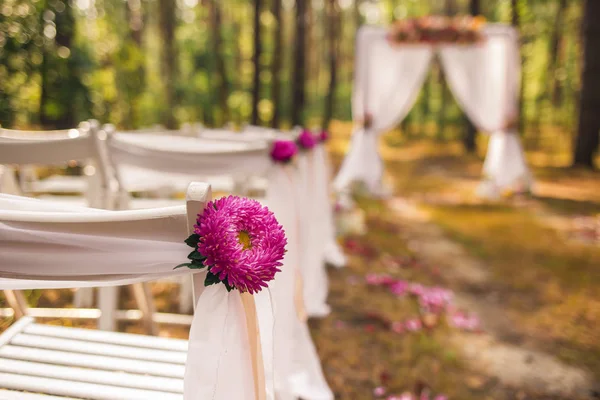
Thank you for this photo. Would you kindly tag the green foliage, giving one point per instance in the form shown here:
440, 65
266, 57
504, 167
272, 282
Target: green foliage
112, 71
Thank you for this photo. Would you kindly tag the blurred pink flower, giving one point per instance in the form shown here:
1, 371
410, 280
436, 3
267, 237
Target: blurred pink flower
398, 327
399, 287
413, 325
306, 140
435, 299
379, 279
464, 321
323, 136
379, 391
283, 151
416, 289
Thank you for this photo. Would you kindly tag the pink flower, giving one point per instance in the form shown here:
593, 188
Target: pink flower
283, 151
398, 327
403, 396
242, 242
379, 279
463, 321
399, 287
306, 140
435, 299
413, 325
440, 397
416, 289
379, 391
323, 136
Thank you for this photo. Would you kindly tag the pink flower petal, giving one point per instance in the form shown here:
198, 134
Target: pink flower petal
379, 391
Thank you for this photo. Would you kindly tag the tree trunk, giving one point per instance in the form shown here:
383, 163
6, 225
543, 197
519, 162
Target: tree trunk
470, 138
333, 33
133, 79
167, 22
256, 62
219, 61
276, 64
450, 10
589, 118
57, 108
555, 50
515, 21
298, 76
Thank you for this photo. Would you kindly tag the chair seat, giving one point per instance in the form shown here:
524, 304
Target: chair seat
88, 364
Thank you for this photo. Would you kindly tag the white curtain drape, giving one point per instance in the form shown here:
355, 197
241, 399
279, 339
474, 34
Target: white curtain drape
387, 80
290, 343
484, 77
485, 80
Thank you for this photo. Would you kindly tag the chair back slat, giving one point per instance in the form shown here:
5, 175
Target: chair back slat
46, 152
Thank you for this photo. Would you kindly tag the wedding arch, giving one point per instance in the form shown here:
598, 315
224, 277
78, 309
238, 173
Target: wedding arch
484, 77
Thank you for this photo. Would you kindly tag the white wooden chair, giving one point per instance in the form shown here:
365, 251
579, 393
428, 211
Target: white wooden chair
181, 159
29, 182
122, 247
82, 363
58, 148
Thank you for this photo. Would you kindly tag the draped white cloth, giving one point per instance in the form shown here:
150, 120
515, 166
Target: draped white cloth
293, 379
387, 81
50, 248
484, 77
485, 80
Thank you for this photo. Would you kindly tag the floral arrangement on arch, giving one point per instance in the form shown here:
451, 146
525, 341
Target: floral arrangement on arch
437, 30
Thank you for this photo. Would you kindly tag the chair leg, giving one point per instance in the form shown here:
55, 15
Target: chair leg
16, 300
107, 303
143, 298
83, 298
186, 295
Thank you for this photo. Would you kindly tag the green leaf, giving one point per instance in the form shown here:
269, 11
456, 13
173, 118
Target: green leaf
197, 265
211, 279
193, 240
183, 265
229, 288
196, 256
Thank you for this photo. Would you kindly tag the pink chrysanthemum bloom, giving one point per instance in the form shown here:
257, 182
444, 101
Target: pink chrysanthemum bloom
242, 241
283, 151
323, 136
306, 140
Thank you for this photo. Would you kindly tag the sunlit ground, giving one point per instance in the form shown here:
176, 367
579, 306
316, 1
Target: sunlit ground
542, 278
542, 266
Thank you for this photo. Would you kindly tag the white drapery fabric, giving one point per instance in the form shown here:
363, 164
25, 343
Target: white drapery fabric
484, 77
293, 379
485, 80
50, 248
387, 81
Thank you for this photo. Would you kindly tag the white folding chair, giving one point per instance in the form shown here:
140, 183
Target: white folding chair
58, 148
108, 248
29, 182
179, 159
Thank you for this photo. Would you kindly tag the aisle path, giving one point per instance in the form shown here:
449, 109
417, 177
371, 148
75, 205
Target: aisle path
494, 351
